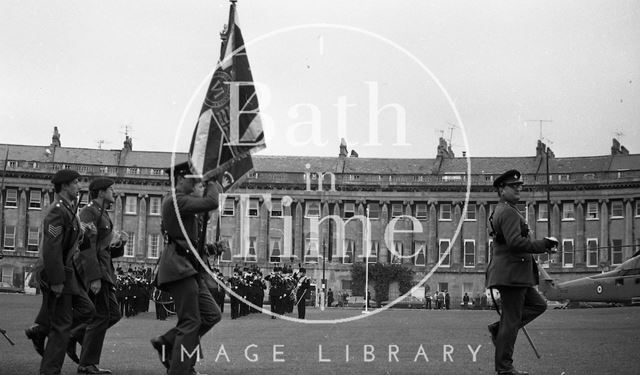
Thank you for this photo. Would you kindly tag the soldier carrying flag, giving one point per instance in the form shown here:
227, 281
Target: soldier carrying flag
228, 130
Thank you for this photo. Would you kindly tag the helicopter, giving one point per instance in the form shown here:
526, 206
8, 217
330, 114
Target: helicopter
618, 286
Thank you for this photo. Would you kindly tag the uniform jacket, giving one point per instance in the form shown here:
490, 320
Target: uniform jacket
174, 264
96, 260
59, 248
512, 262
304, 284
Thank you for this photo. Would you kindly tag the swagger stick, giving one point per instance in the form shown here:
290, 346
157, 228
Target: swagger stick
4, 333
535, 350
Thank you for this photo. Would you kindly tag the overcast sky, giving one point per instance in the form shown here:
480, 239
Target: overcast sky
388, 76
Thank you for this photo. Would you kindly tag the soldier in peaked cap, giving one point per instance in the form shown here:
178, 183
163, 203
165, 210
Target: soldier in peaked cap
99, 274
513, 271
180, 274
302, 289
63, 293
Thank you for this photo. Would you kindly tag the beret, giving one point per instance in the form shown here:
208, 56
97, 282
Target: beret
509, 177
101, 183
64, 176
180, 169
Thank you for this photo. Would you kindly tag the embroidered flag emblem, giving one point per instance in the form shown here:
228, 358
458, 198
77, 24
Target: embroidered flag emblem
54, 230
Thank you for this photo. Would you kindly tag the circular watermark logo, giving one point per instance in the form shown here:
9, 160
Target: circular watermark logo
372, 98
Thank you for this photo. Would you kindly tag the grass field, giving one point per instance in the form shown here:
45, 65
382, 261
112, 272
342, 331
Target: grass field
582, 341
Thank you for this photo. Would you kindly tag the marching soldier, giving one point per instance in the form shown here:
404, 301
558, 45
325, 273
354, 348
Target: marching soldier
100, 275
513, 271
302, 288
181, 274
63, 293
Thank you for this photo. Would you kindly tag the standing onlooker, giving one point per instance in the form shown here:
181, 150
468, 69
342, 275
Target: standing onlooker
465, 301
447, 300
427, 300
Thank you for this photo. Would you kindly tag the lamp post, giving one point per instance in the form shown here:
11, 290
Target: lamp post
367, 247
324, 280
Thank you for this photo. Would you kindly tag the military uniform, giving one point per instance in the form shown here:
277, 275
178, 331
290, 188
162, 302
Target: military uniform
181, 275
236, 285
514, 272
57, 265
98, 265
277, 291
302, 290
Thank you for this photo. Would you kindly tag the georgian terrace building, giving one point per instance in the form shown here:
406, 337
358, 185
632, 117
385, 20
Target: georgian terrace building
312, 210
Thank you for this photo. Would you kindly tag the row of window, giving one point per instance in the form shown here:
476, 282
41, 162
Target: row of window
417, 255
453, 176
35, 201
86, 169
313, 209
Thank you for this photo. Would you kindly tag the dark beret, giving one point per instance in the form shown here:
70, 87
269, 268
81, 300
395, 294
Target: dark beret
101, 183
180, 169
302, 269
64, 176
509, 177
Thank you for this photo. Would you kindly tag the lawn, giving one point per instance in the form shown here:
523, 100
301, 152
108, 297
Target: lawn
581, 341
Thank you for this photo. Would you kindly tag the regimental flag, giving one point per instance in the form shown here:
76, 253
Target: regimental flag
229, 127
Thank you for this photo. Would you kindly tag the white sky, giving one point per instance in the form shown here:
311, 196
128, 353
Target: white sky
92, 67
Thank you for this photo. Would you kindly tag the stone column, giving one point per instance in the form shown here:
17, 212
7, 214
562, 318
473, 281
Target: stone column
432, 237
298, 231
456, 249
555, 231
117, 220
531, 219
22, 225
383, 256
603, 254
335, 241
481, 246
579, 246
262, 245
359, 244
324, 229
627, 250
142, 227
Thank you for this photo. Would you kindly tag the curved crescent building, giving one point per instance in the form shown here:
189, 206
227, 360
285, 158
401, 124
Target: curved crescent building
314, 211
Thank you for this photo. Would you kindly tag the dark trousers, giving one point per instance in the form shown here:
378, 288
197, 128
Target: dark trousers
107, 314
235, 307
244, 308
520, 305
57, 315
197, 313
161, 312
302, 306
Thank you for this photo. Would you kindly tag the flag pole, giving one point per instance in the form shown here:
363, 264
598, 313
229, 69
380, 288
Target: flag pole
224, 36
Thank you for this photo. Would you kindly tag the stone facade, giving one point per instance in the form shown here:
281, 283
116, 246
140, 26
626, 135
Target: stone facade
295, 209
